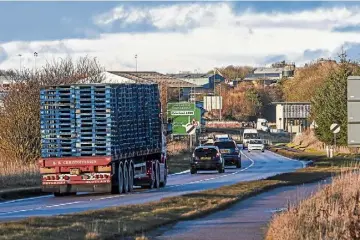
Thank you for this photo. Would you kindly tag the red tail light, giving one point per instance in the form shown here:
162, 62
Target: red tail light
57, 177
106, 176
101, 176
66, 177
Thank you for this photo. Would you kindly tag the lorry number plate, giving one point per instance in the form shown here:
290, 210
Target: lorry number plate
75, 171
206, 158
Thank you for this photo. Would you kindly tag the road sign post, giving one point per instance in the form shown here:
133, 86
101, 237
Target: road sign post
335, 129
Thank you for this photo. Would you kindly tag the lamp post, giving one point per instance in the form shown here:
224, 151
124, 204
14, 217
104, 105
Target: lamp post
35, 56
20, 60
280, 127
136, 62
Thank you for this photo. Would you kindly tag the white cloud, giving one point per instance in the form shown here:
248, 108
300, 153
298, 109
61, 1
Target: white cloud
216, 36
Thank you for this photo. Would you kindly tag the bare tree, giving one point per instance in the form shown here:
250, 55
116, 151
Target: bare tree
20, 115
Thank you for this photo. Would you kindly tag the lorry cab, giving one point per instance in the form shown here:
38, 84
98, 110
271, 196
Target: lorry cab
249, 134
263, 125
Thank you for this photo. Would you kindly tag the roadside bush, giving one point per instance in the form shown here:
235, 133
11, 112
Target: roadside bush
331, 213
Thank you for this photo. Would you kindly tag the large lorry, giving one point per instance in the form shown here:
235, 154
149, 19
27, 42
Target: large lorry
101, 138
262, 124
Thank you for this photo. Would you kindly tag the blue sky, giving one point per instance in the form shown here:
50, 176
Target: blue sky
176, 36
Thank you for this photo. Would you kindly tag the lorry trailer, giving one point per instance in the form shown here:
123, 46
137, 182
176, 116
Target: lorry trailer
101, 138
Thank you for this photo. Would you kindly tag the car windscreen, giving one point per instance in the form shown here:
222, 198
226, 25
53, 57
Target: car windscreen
208, 152
250, 135
225, 145
255, 142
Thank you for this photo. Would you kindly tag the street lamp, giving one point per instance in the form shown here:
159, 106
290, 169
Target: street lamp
35, 56
20, 60
136, 62
280, 123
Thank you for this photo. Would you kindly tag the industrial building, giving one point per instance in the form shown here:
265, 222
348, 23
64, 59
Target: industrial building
292, 116
272, 74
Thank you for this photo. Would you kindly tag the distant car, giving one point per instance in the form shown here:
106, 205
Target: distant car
230, 152
223, 137
209, 142
207, 158
256, 144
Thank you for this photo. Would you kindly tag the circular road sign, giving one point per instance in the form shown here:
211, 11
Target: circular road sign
335, 128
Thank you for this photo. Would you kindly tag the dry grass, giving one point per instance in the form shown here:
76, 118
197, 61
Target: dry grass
332, 213
118, 222
17, 175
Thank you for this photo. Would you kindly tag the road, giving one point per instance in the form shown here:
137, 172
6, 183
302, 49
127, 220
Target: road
247, 219
255, 165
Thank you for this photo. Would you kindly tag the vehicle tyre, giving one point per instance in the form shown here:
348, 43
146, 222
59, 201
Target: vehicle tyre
163, 184
57, 194
120, 179
238, 164
221, 169
262, 150
126, 178
131, 177
193, 171
157, 175
152, 180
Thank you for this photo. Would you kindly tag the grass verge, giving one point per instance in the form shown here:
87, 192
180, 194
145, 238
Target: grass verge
331, 213
118, 222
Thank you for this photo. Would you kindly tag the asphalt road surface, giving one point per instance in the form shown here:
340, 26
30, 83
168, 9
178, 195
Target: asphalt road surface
247, 219
255, 165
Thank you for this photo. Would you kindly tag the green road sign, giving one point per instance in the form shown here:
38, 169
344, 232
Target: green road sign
185, 117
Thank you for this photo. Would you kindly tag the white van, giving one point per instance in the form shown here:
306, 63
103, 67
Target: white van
249, 134
262, 124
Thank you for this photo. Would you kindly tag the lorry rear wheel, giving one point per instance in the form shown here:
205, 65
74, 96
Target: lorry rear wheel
126, 178
120, 179
163, 184
238, 164
157, 175
131, 178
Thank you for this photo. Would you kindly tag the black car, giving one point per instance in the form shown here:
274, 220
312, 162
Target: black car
230, 152
207, 158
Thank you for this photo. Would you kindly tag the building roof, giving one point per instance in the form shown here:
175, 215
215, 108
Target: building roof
263, 70
146, 76
107, 77
189, 75
255, 76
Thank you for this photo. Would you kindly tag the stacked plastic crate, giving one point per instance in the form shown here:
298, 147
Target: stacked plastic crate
100, 119
57, 119
95, 118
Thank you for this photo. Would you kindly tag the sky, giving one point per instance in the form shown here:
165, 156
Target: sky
170, 37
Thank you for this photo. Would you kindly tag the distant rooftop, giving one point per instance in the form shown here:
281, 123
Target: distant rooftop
263, 70
152, 76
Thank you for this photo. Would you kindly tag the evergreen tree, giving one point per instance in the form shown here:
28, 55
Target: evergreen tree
329, 104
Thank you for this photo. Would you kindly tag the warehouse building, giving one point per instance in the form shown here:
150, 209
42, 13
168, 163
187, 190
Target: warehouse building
292, 116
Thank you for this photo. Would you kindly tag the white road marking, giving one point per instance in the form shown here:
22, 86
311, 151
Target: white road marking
122, 195
221, 176
25, 199
290, 159
179, 173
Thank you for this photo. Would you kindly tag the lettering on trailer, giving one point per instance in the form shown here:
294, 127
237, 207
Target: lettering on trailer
179, 113
335, 128
73, 162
